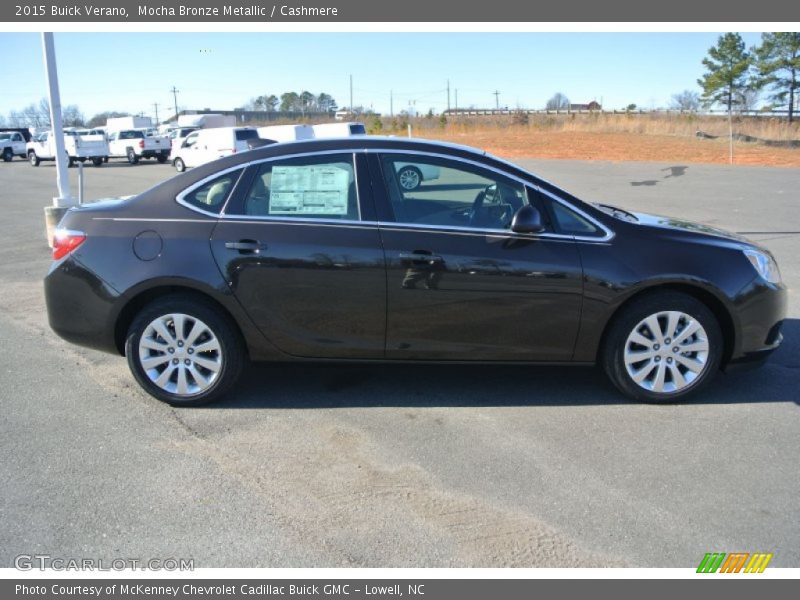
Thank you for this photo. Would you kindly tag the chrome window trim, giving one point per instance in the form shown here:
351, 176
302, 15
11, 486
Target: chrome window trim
609, 233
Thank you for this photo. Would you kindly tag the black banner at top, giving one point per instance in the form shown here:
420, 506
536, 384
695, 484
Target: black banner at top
443, 11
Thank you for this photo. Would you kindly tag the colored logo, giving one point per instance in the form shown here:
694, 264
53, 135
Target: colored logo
736, 562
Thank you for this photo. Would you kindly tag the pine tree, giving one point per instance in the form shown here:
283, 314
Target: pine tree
726, 66
777, 65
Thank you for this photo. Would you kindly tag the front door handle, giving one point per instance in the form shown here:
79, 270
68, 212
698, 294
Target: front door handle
420, 257
246, 246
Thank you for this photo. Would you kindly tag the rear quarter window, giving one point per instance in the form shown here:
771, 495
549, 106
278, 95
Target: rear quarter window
211, 196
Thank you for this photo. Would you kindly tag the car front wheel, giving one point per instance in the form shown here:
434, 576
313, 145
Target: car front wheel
663, 347
183, 352
179, 165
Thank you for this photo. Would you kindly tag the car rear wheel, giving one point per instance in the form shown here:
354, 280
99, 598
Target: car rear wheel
409, 178
161, 158
8, 155
663, 347
34, 160
97, 161
183, 352
131, 155
179, 165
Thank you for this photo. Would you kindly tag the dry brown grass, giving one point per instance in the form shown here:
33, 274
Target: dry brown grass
597, 136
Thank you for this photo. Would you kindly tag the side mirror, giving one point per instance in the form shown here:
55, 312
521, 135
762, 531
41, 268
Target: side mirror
527, 220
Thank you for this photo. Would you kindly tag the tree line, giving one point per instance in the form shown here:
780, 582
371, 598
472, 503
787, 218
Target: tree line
303, 102
735, 76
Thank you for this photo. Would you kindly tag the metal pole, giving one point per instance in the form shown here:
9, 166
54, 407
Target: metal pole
351, 95
730, 132
64, 198
80, 183
391, 103
61, 203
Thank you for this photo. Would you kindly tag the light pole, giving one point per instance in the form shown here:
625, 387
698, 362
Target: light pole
64, 200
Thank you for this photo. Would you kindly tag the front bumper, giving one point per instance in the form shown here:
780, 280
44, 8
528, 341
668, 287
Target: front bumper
760, 314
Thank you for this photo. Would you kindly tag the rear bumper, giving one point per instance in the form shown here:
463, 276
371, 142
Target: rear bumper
80, 305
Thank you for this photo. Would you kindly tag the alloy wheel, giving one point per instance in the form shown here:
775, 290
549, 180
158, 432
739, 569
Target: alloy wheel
666, 352
180, 354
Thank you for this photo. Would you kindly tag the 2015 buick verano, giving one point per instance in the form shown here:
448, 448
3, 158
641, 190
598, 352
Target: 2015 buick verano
315, 251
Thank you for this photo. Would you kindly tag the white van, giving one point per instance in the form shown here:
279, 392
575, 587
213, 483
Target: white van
206, 145
286, 133
336, 130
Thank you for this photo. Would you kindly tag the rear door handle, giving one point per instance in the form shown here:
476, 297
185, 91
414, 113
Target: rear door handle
246, 246
420, 257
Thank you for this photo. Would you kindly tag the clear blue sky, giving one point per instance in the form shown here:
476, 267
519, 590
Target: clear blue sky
130, 71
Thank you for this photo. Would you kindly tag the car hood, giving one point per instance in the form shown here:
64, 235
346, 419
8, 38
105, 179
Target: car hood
675, 224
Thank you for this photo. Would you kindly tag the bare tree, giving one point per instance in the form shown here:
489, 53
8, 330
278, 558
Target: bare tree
686, 100
558, 102
746, 100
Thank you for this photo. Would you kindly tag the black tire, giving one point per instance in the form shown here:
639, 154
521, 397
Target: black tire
232, 353
614, 346
131, 155
8, 155
97, 161
179, 165
409, 178
162, 158
70, 162
33, 159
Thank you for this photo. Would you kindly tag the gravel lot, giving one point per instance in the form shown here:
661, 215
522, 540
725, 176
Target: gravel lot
390, 466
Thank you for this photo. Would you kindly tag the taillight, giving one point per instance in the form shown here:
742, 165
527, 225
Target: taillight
65, 241
141, 143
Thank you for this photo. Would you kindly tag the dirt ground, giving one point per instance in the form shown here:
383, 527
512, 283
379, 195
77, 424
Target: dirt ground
582, 145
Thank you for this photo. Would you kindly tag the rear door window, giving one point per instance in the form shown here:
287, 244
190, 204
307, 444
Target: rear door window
309, 187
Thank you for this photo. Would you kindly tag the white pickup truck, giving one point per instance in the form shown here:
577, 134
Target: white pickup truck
11, 144
134, 144
79, 148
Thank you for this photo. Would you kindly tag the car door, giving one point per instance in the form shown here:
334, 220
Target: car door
18, 144
461, 285
191, 150
299, 246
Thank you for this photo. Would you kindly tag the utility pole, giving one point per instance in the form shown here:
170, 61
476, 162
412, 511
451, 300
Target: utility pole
448, 95
497, 99
456, 100
391, 103
155, 106
351, 95
174, 91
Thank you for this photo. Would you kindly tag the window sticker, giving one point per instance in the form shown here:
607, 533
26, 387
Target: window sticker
313, 189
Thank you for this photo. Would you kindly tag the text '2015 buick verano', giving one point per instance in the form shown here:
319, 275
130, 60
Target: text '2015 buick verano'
316, 251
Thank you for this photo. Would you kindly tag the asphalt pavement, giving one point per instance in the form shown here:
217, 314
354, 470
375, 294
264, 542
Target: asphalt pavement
399, 466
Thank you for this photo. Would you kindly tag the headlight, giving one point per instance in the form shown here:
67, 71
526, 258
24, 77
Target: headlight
764, 265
